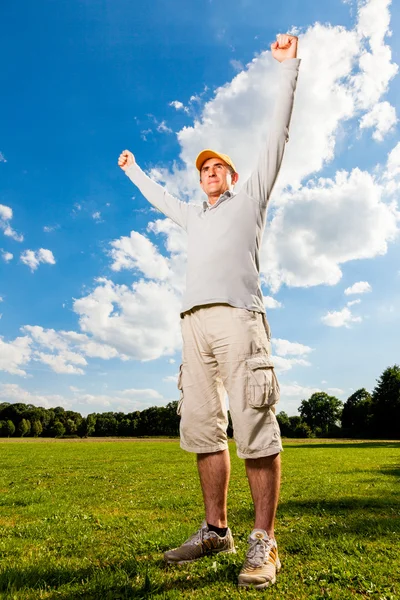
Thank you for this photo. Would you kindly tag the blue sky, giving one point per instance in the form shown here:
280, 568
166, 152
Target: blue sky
84, 80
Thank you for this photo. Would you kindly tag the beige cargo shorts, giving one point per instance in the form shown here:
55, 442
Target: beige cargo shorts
227, 349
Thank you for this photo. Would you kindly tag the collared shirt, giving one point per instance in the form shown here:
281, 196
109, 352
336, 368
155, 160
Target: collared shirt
208, 206
224, 239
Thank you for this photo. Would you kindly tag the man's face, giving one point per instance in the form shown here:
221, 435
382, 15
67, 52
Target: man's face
216, 177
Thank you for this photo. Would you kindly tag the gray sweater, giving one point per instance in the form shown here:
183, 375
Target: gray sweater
224, 239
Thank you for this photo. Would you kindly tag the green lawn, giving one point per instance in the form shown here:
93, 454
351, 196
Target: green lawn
90, 519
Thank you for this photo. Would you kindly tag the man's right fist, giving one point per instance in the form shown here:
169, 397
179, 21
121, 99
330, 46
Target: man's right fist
126, 159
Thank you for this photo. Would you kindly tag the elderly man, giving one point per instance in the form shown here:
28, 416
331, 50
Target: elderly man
226, 337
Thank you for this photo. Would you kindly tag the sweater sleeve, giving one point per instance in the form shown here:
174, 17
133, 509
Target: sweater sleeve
158, 196
262, 180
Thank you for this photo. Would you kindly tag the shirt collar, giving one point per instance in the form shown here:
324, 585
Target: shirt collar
224, 196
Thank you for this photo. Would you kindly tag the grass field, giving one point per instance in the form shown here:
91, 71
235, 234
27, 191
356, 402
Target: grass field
91, 519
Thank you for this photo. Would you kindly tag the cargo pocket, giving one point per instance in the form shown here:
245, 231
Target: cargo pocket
180, 388
262, 384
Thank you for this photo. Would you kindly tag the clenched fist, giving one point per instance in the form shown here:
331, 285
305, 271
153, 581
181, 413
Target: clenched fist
284, 47
126, 159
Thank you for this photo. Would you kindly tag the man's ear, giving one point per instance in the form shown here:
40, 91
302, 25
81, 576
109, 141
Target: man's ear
235, 178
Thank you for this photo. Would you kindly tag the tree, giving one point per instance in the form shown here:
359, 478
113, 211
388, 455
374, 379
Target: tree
106, 425
357, 413
386, 404
321, 413
58, 429
10, 428
87, 426
284, 424
7, 428
24, 427
37, 428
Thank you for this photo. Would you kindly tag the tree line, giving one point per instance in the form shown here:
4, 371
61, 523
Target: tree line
363, 414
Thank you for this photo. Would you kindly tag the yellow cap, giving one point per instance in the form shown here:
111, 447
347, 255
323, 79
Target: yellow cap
206, 154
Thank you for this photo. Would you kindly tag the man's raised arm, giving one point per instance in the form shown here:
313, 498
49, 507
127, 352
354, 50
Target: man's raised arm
153, 192
262, 180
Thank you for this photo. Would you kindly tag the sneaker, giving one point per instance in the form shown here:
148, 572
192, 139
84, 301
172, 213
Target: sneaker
262, 562
202, 543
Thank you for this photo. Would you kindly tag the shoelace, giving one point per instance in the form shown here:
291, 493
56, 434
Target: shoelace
197, 538
257, 552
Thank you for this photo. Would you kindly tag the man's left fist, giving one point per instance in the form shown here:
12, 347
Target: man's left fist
284, 47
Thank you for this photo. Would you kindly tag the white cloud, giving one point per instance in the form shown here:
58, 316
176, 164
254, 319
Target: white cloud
119, 400
138, 253
60, 363
324, 224
270, 302
382, 117
341, 318
6, 215
14, 393
335, 391
285, 348
6, 256
68, 349
2, 158
285, 364
163, 128
237, 65
353, 302
34, 258
14, 355
179, 105
96, 216
171, 379
391, 176
361, 287
50, 228
129, 319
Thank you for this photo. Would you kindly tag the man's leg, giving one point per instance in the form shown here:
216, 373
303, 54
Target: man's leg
214, 470
264, 476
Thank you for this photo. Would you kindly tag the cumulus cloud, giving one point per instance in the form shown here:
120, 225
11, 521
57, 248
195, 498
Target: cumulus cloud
382, 117
11, 392
65, 351
353, 302
285, 348
34, 258
129, 319
6, 256
119, 400
6, 214
270, 302
15, 355
320, 226
361, 287
138, 253
179, 105
340, 318
285, 364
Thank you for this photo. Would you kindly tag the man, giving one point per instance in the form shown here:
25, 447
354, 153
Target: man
226, 337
